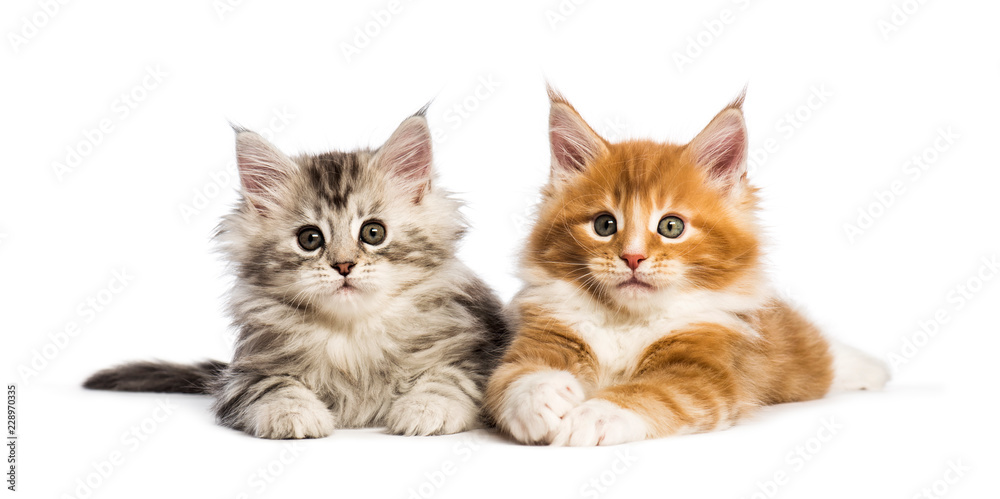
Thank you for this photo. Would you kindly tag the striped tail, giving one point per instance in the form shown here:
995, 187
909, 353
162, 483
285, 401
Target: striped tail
165, 377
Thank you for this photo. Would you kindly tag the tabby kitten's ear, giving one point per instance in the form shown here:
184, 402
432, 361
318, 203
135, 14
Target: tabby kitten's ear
721, 148
574, 144
263, 169
407, 155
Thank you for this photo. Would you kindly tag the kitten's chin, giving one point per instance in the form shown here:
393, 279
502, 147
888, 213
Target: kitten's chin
635, 285
630, 294
634, 292
349, 299
347, 290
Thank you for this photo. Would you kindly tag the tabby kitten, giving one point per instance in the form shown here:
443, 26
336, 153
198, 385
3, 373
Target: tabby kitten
351, 307
645, 310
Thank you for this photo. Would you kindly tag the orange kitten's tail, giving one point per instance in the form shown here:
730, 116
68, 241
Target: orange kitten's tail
164, 377
856, 370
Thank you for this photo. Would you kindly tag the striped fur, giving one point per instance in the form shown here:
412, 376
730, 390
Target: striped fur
406, 340
633, 335
157, 377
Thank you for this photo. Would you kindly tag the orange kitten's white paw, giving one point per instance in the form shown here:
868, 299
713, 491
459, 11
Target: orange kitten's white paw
430, 414
283, 417
536, 403
856, 370
599, 422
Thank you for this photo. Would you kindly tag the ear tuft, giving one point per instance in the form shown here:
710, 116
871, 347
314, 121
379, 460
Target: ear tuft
422, 112
263, 169
574, 144
721, 148
237, 128
737, 103
407, 155
554, 95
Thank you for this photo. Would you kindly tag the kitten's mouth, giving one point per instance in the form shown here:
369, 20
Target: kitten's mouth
635, 283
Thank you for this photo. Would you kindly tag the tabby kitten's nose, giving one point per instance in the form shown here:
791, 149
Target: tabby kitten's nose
344, 268
633, 260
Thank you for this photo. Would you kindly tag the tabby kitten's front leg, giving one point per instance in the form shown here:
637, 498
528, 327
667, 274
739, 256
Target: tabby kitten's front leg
271, 406
441, 401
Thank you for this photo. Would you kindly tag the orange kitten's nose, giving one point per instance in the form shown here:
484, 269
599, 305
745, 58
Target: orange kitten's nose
344, 268
633, 260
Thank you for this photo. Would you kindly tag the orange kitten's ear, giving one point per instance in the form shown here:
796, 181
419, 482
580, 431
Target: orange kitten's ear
721, 148
574, 143
263, 169
407, 155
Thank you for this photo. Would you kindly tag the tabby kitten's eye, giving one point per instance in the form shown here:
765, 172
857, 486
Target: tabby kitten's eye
605, 225
373, 233
310, 238
671, 227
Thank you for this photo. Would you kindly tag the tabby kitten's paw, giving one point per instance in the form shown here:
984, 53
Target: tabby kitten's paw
599, 422
430, 414
291, 417
537, 402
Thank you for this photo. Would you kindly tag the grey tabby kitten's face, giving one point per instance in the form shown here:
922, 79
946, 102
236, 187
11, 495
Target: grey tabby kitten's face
340, 233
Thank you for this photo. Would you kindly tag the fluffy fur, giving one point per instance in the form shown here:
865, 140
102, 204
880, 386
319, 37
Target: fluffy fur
635, 335
351, 334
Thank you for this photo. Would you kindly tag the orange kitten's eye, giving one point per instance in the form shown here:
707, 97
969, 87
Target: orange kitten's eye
671, 227
605, 225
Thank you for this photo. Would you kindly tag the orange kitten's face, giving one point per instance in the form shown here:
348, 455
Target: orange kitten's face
630, 222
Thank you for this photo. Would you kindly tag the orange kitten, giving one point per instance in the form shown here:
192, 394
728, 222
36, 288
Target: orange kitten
645, 311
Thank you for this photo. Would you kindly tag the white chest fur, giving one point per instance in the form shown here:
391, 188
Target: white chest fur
619, 347
617, 342
356, 353
347, 354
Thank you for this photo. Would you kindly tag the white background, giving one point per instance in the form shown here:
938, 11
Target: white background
282, 66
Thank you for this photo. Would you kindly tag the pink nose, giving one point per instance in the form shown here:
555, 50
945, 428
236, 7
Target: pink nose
344, 268
633, 260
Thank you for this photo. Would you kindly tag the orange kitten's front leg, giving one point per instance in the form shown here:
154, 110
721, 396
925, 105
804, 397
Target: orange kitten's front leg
541, 378
688, 382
